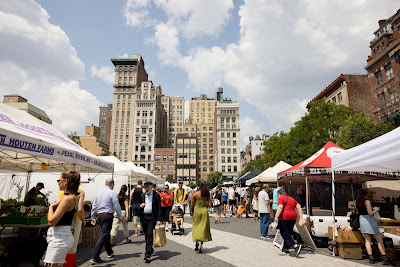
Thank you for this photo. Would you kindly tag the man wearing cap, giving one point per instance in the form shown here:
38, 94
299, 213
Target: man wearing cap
31, 196
150, 216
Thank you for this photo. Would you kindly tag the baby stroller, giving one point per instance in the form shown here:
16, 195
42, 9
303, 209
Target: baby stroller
176, 215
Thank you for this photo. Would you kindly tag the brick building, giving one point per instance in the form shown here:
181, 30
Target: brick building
351, 90
105, 119
164, 162
383, 67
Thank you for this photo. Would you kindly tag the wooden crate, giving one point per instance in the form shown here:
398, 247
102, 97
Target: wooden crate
87, 242
90, 231
349, 237
390, 252
350, 251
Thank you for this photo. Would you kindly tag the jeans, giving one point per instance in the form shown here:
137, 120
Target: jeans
286, 229
105, 221
148, 227
264, 223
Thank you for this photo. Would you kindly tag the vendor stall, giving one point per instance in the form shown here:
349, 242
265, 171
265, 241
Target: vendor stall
270, 175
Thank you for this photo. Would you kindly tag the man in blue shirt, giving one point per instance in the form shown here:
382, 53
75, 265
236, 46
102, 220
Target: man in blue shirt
275, 198
104, 205
150, 215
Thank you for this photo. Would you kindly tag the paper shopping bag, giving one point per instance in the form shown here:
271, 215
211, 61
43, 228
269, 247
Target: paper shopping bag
159, 237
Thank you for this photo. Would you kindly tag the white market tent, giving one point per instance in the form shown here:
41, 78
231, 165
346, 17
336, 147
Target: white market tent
145, 174
27, 143
270, 175
381, 154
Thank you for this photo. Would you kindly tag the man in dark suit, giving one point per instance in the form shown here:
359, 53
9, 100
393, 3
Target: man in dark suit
150, 215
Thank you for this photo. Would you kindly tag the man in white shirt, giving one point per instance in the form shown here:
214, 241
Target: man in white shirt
264, 210
232, 198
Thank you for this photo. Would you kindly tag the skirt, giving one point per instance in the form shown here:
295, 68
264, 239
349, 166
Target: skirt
368, 225
60, 240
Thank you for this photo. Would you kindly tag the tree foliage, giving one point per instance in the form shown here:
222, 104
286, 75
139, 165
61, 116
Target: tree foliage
192, 185
214, 179
75, 138
325, 122
170, 179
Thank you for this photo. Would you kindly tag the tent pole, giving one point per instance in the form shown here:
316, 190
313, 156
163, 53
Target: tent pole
308, 209
333, 210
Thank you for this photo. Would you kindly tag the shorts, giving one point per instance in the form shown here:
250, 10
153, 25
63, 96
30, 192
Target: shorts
368, 225
225, 202
60, 240
218, 208
232, 202
165, 213
135, 209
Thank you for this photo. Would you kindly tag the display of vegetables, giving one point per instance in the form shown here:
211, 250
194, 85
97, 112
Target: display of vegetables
10, 207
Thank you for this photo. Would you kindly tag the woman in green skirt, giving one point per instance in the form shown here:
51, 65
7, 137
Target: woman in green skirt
201, 221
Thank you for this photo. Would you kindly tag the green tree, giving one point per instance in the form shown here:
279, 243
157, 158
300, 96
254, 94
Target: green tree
192, 185
75, 138
214, 179
170, 179
107, 153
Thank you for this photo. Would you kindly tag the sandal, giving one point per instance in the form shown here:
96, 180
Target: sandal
197, 247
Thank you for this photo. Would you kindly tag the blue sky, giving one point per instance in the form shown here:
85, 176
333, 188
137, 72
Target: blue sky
273, 56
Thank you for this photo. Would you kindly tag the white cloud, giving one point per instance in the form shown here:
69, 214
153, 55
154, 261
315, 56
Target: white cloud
248, 127
105, 73
38, 62
137, 14
286, 53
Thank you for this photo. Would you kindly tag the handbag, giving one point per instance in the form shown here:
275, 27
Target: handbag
216, 202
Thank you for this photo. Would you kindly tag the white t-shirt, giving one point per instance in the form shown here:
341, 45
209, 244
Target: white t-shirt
231, 194
262, 197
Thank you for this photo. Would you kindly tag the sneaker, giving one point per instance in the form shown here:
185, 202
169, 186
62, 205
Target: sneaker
146, 259
264, 238
298, 249
96, 261
136, 234
110, 255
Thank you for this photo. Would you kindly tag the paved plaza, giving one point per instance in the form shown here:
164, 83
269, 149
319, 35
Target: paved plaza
236, 242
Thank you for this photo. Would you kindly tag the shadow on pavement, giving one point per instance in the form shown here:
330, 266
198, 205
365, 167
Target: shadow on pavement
164, 255
214, 249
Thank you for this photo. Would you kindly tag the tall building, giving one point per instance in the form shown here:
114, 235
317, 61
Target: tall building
175, 108
150, 127
205, 133
129, 73
383, 67
164, 162
202, 124
351, 90
228, 135
187, 158
17, 101
253, 150
105, 120
91, 141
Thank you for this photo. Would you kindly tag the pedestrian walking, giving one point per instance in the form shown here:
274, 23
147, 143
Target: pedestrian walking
150, 215
166, 205
232, 197
254, 203
76, 227
104, 205
180, 196
224, 201
217, 204
286, 216
61, 215
275, 197
201, 221
135, 197
247, 202
124, 204
369, 227
264, 210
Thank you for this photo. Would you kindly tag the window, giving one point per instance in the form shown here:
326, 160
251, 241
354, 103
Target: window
234, 151
235, 168
392, 95
170, 157
382, 100
164, 167
222, 135
222, 150
170, 167
223, 159
378, 77
234, 159
228, 135
223, 168
229, 169
334, 99
158, 157
164, 157
389, 72
157, 167
339, 97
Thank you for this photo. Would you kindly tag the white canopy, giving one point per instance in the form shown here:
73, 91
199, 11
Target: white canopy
381, 154
142, 172
270, 175
120, 167
27, 143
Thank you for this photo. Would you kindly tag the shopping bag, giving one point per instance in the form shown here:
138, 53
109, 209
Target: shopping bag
278, 240
240, 210
159, 237
272, 229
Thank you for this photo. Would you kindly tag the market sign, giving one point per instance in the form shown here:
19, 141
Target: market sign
397, 48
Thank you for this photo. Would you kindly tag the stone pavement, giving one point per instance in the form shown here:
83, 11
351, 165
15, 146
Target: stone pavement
236, 242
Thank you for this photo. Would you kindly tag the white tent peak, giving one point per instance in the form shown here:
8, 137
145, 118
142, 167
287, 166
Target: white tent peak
270, 175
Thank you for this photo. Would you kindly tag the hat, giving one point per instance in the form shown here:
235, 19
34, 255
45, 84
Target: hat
148, 183
40, 184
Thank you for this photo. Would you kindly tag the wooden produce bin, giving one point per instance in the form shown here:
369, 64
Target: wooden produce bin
90, 235
348, 243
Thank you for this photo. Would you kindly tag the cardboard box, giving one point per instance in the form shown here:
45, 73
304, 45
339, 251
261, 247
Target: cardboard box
87, 243
346, 236
91, 231
350, 251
